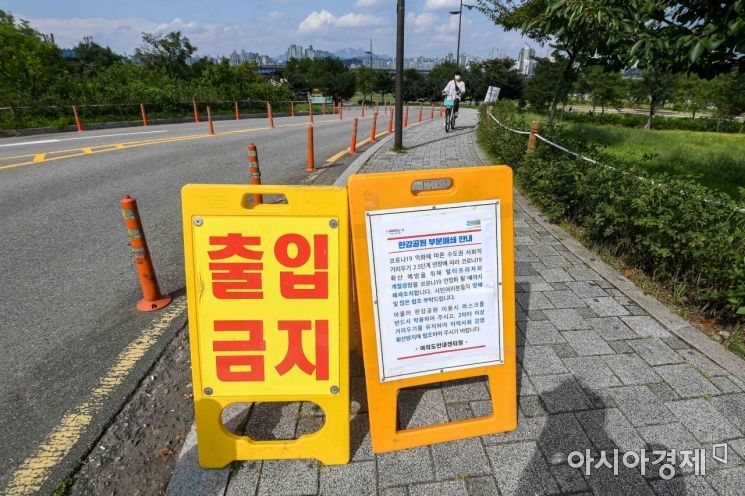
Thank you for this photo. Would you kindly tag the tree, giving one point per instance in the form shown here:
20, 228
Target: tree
168, 52
29, 64
540, 90
94, 56
692, 93
581, 30
605, 88
328, 75
700, 36
384, 83
656, 87
495, 72
365, 81
413, 85
728, 94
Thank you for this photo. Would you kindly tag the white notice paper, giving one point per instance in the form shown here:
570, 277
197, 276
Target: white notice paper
437, 288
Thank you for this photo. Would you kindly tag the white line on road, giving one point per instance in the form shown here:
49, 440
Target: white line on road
58, 140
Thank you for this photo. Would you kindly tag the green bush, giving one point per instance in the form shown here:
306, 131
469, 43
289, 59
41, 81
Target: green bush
680, 233
659, 122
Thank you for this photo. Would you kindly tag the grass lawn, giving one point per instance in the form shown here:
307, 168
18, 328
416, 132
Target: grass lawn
716, 160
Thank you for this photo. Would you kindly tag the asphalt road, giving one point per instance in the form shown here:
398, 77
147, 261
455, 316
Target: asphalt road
69, 286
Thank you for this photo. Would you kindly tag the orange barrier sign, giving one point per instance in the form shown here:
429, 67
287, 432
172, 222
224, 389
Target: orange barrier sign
434, 273
268, 294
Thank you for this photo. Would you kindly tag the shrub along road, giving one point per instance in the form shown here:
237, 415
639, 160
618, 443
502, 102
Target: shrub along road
67, 305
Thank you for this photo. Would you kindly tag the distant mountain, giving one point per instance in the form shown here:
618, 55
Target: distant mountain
359, 53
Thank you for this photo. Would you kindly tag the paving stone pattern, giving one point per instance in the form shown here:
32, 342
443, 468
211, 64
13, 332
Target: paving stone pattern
596, 373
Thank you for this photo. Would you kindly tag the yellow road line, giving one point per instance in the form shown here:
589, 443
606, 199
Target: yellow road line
34, 471
339, 155
77, 152
39, 157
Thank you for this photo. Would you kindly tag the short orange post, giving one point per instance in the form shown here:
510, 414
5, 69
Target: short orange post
363, 109
196, 110
311, 153
254, 171
237, 111
341, 111
421, 108
209, 121
269, 114
77, 118
152, 299
535, 126
442, 112
372, 129
432, 114
292, 109
390, 121
144, 115
353, 143
310, 112
406, 117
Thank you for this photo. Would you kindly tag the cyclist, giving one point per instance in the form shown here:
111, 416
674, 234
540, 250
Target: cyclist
455, 90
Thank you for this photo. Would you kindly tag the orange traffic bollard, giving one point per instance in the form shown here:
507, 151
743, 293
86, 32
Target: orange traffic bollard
144, 115
310, 112
237, 112
77, 118
353, 143
390, 121
432, 114
372, 129
341, 111
269, 114
311, 153
254, 171
209, 121
406, 117
421, 108
292, 109
152, 299
196, 110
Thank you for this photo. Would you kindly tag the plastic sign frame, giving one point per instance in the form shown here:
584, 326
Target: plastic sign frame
399, 190
268, 291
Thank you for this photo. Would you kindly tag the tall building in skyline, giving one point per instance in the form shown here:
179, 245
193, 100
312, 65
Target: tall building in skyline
295, 52
526, 62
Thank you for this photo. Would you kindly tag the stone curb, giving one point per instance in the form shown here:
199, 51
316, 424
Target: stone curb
672, 322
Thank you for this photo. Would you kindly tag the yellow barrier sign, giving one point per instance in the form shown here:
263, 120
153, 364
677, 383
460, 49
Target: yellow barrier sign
268, 294
434, 272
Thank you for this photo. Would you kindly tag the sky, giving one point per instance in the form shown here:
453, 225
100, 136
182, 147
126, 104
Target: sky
269, 26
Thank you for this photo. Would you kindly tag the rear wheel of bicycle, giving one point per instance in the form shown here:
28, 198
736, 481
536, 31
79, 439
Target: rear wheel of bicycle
452, 123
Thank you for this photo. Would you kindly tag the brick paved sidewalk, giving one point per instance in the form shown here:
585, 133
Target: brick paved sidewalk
596, 372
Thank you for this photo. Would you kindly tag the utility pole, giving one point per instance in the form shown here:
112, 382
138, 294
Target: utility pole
459, 12
371, 66
398, 141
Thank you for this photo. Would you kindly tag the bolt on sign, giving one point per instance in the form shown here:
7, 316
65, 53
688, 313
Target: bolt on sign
268, 294
434, 271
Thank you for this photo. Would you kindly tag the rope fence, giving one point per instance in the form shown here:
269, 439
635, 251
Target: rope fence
595, 162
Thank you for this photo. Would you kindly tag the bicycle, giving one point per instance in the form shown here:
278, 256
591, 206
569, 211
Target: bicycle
449, 114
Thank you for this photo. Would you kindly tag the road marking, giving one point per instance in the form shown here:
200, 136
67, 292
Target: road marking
77, 152
339, 155
34, 471
39, 157
57, 140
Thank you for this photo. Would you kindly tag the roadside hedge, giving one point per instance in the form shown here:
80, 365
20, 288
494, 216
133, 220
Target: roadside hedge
683, 235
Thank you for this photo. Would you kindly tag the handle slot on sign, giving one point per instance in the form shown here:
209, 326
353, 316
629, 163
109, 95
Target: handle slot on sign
435, 186
270, 201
